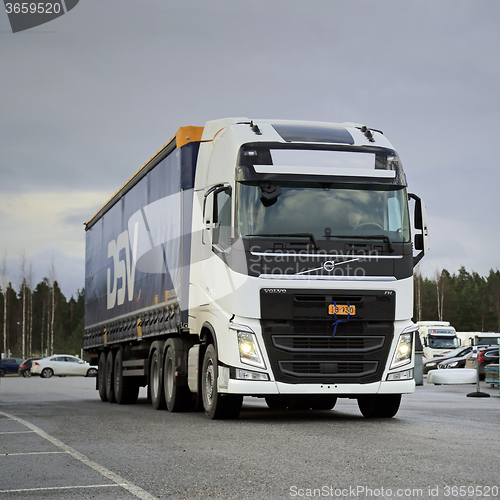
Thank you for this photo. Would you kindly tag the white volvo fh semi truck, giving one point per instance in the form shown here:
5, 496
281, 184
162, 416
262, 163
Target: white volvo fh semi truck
261, 258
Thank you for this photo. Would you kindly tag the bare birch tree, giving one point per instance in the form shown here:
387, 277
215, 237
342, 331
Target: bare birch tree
418, 293
30, 308
22, 265
4, 290
53, 306
440, 284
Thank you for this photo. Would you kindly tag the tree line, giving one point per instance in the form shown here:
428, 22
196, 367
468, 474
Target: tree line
470, 302
38, 320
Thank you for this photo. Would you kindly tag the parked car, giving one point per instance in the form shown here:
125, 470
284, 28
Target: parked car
458, 361
9, 365
433, 363
25, 366
486, 356
61, 365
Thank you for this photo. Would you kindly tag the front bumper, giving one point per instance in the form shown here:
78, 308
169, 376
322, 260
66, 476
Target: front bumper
253, 388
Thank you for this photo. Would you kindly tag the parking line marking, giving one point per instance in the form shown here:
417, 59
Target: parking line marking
116, 478
17, 432
64, 488
33, 453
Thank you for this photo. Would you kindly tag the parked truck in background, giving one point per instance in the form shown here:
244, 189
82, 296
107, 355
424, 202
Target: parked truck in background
437, 337
478, 338
260, 258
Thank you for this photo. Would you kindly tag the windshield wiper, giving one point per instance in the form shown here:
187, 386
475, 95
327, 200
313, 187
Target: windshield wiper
291, 235
370, 237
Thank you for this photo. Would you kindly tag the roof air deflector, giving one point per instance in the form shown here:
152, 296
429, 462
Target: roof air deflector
313, 133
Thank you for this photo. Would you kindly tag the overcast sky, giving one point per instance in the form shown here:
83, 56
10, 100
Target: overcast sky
86, 99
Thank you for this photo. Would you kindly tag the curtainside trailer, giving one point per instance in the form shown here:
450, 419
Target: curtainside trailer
262, 258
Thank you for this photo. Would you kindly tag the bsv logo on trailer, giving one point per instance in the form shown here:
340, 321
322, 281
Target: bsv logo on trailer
123, 270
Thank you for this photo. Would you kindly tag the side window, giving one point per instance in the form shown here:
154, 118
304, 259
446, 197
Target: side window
222, 219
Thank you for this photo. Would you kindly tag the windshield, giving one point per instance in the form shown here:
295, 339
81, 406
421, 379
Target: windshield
322, 210
487, 340
443, 342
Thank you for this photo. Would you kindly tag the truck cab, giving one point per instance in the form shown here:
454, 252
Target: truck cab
437, 337
262, 258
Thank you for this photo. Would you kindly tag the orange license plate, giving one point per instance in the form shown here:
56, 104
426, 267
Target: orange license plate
342, 310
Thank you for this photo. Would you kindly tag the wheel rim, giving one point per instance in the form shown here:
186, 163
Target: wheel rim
209, 384
169, 370
109, 373
155, 378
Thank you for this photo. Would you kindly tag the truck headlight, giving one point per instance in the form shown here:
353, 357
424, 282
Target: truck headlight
402, 356
248, 346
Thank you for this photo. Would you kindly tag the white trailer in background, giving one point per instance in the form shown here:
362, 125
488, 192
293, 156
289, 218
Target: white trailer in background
478, 338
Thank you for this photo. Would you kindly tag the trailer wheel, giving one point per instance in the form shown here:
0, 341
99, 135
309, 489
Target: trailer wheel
101, 377
126, 388
379, 405
110, 393
216, 406
155, 382
177, 396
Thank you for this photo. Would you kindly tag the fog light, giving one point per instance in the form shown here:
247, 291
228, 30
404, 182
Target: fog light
406, 375
248, 375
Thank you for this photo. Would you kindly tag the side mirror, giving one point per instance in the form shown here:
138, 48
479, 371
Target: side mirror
421, 241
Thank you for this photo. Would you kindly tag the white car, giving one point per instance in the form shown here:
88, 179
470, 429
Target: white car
62, 364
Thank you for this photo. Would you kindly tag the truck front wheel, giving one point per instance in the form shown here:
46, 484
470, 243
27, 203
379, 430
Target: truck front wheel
379, 405
216, 406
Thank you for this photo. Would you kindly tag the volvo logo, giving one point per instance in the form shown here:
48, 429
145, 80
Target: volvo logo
329, 266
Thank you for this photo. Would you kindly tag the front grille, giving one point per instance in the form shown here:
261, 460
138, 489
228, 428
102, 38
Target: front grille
328, 368
324, 343
306, 344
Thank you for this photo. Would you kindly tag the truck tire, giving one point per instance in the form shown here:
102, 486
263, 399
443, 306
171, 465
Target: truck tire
156, 382
126, 389
101, 377
379, 405
178, 397
110, 393
216, 406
